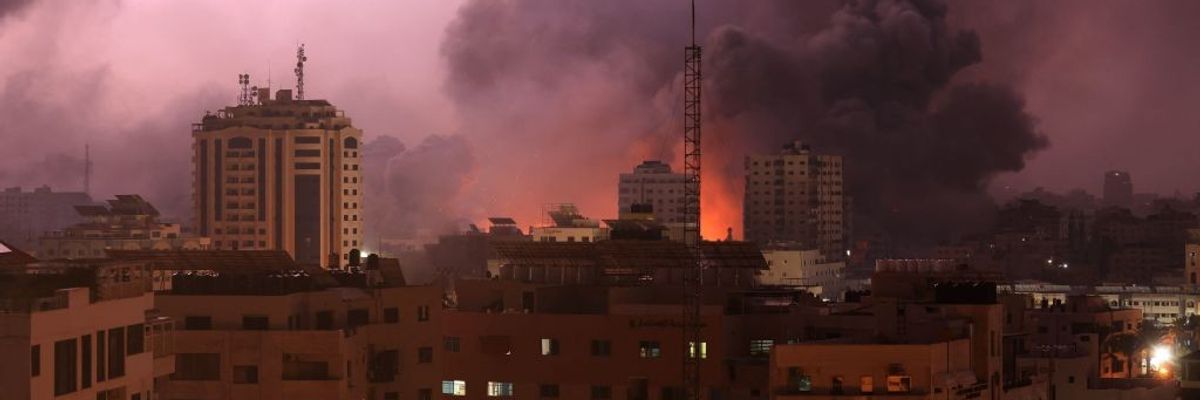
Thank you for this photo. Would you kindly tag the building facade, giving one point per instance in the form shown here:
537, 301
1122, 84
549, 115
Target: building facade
795, 196
652, 184
87, 332
280, 174
1118, 189
127, 223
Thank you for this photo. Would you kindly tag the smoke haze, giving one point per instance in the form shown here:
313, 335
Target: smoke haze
537, 101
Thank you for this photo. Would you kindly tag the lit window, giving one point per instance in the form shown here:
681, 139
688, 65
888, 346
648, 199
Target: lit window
454, 388
899, 383
500, 389
798, 381
649, 349
549, 347
866, 384
703, 349
761, 347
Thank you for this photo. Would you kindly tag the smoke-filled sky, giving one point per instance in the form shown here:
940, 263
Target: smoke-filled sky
495, 107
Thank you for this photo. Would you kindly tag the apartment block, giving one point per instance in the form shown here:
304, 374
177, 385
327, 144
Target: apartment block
280, 174
795, 197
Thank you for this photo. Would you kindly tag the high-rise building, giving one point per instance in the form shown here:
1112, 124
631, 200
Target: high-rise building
280, 174
26, 216
1118, 189
653, 187
795, 198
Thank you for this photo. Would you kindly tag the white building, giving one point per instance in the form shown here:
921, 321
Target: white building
804, 268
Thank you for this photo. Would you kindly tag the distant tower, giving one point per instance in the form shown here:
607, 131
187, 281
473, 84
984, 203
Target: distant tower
300, 59
87, 169
1118, 189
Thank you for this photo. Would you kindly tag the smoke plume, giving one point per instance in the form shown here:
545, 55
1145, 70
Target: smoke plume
417, 192
871, 83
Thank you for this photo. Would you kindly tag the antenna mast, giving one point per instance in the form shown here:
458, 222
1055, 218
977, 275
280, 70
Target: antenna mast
246, 97
87, 169
300, 59
694, 276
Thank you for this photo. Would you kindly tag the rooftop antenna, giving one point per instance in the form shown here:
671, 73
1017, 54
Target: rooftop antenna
246, 97
300, 59
87, 169
693, 280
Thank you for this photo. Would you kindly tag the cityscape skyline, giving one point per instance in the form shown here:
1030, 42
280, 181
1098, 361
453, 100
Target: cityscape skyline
144, 123
540, 199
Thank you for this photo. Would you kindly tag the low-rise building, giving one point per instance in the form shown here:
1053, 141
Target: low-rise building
804, 268
81, 331
125, 223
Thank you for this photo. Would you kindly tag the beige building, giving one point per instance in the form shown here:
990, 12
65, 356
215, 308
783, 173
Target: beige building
126, 223
280, 174
652, 185
795, 197
566, 224
805, 268
79, 332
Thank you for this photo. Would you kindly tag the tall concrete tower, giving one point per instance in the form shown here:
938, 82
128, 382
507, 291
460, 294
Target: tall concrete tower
1118, 189
795, 198
282, 174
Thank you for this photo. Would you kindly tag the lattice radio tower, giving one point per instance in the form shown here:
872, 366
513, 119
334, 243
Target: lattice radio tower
694, 275
300, 59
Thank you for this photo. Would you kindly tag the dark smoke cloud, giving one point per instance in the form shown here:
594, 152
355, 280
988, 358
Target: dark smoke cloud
11, 7
871, 82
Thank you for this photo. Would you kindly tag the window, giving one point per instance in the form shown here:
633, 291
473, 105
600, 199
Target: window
101, 372
308, 139
66, 366
649, 349
116, 352
454, 388
703, 350
798, 380
305, 367
452, 344
197, 367
426, 394
391, 396
601, 348
835, 386
549, 347
245, 374
550, 391
422, 313
500, 389
324, 320
255, 322
35, 360
866, 384
85, 363
357, 317
197, 323
601, 392
308, 153
391, 315
424, 355
899, 383
308, 165
761, 347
